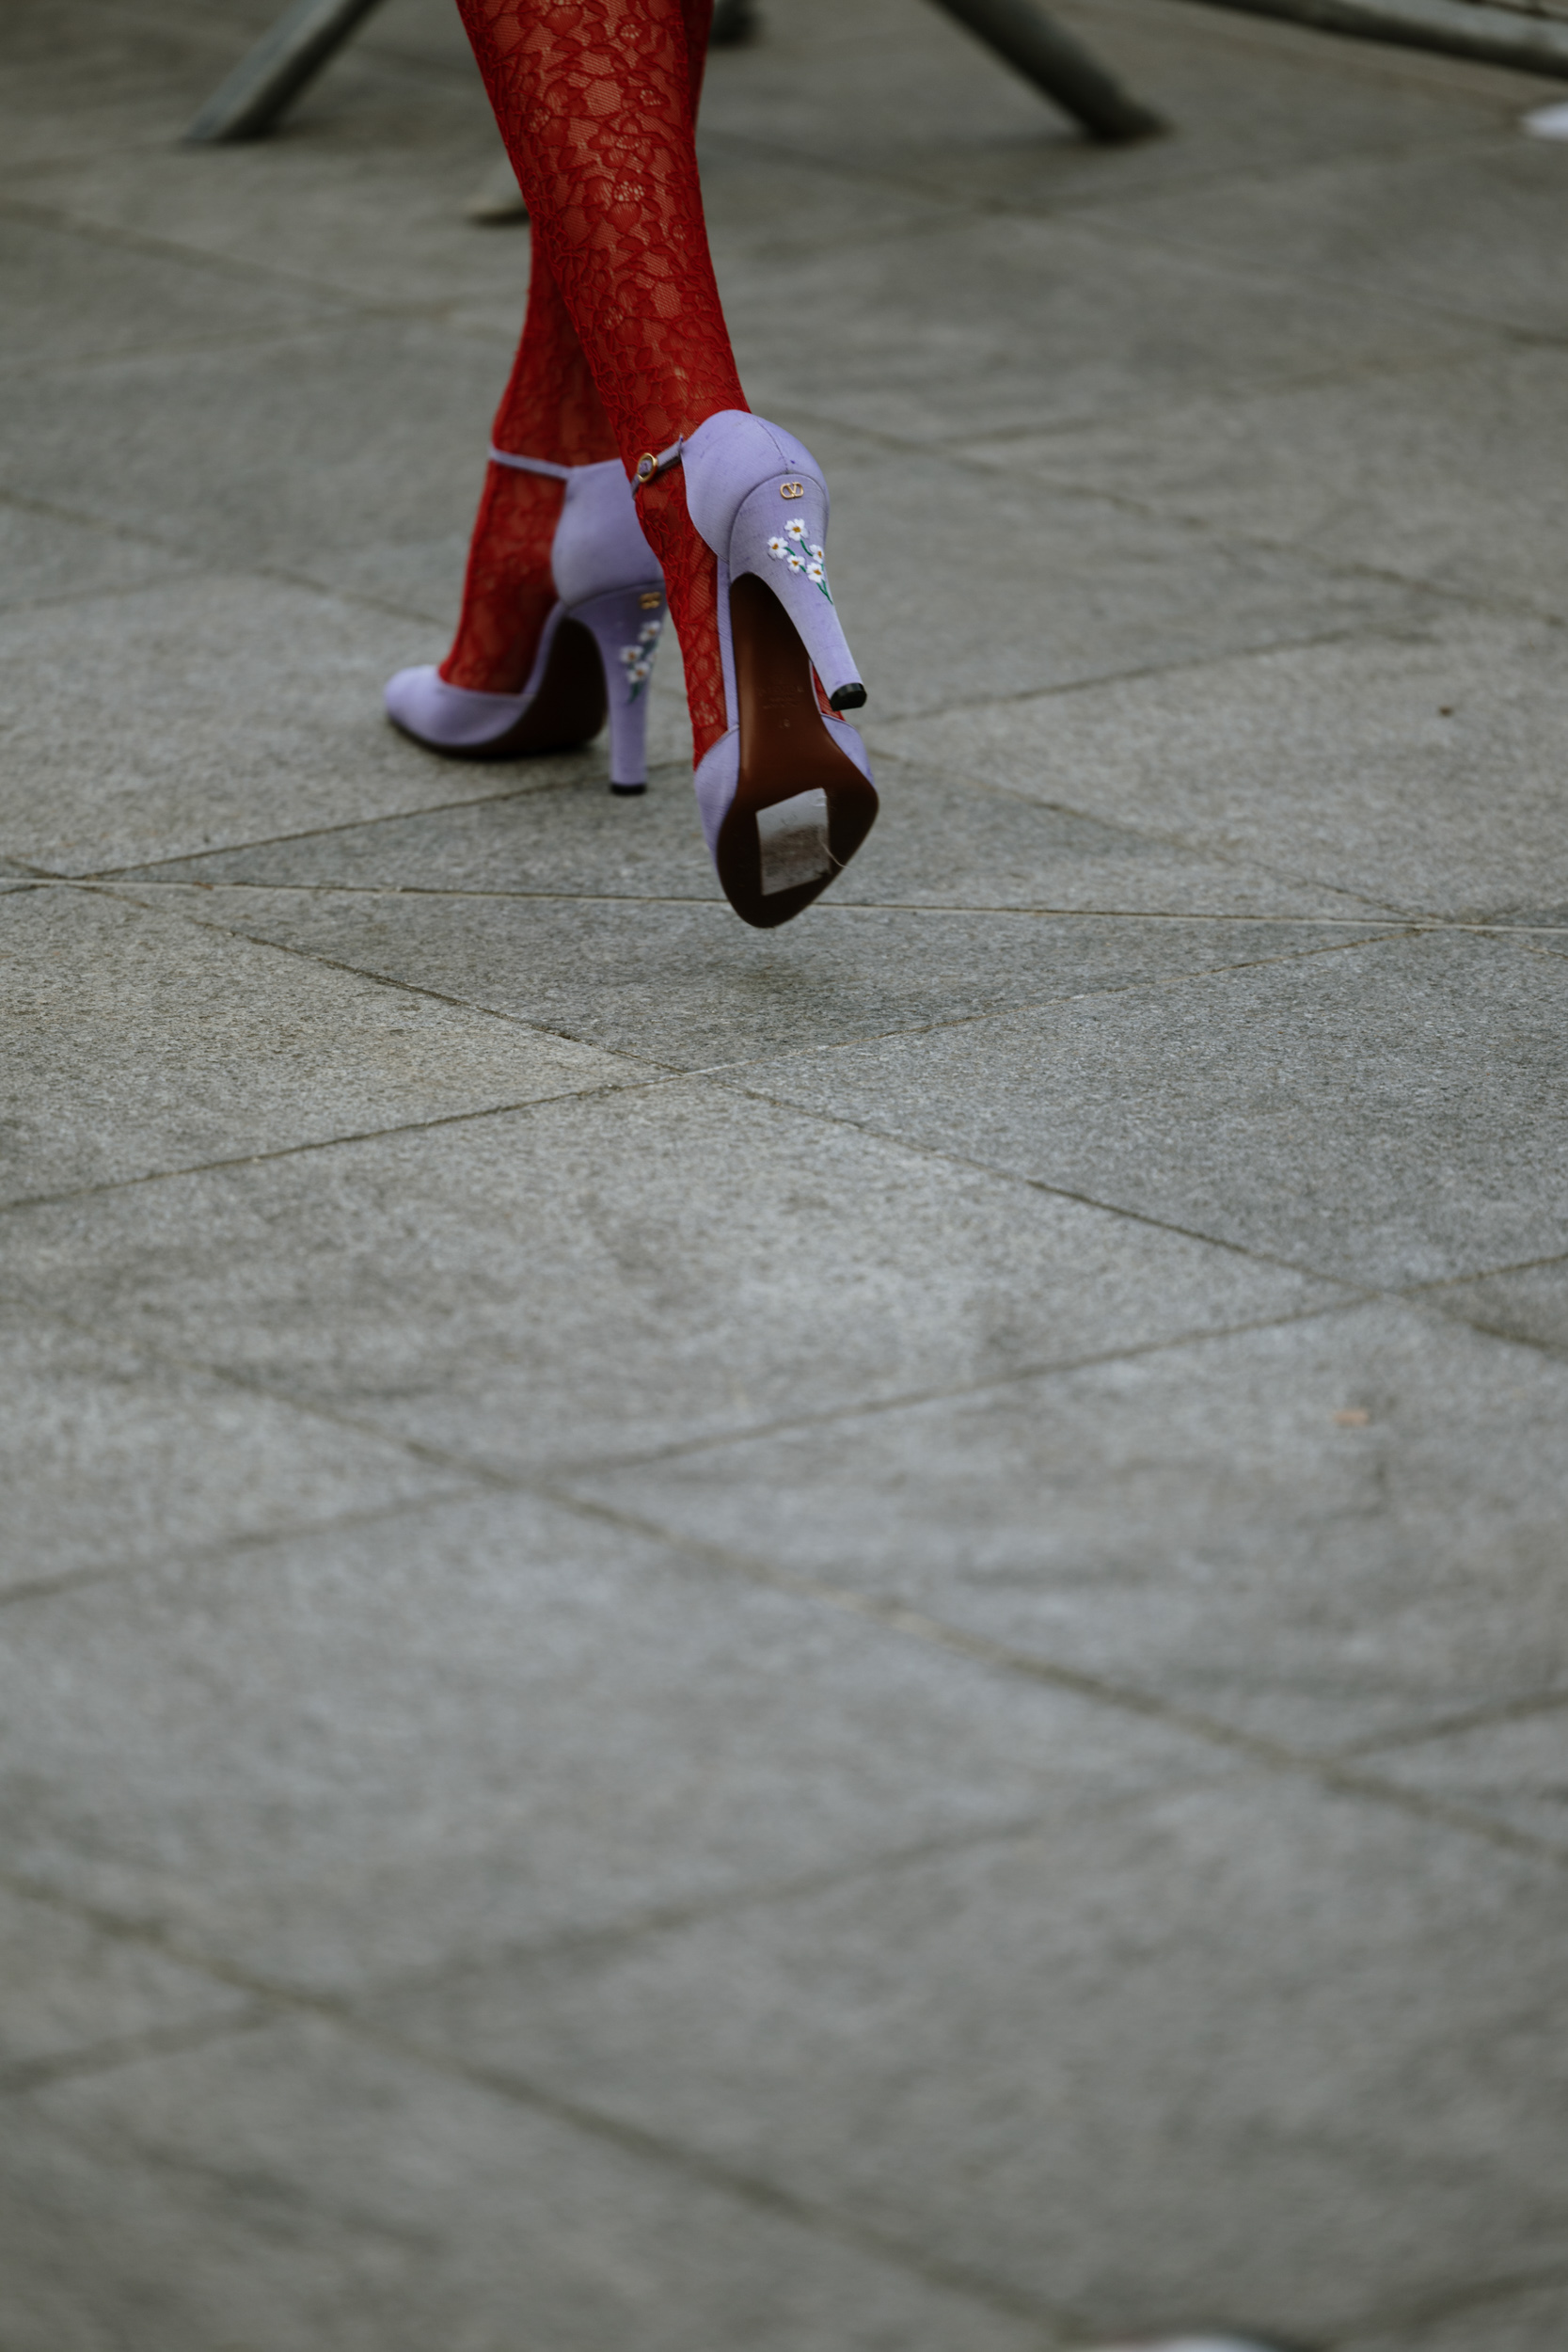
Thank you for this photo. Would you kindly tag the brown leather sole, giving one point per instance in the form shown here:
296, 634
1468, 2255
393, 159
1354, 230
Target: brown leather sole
568, 709
788, 757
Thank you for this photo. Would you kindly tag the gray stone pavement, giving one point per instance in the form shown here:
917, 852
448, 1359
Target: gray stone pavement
842, 1641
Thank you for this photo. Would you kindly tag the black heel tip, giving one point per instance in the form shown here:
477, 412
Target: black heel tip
627, 791
849, 697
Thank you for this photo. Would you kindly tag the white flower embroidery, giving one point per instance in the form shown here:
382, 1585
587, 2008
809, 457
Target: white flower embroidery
801, 555
638, 660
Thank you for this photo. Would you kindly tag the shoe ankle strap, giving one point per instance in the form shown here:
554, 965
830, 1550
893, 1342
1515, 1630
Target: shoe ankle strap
649, 467
531, 465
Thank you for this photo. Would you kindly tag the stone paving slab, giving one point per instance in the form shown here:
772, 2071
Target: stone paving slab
352, 400
1527, 1302
676, 984
76, 1993
1015, 2056
705, 1713
1449, 478
1005, 324
572, 1282
950, 844
275, 209
292, 1053
1073, 589
1515, 1771
1416, 767
111, 1457
1366, 1462
1373, 1111
300, 2186
1502, 2322
116, 291
1445, 235
44, 556
763, 210
196, 712
375, 1753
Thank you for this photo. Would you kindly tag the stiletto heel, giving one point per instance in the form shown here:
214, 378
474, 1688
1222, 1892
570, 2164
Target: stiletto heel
785, 794
626, 624
595, 653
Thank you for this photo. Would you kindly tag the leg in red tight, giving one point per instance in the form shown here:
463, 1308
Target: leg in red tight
552, 409
594, 99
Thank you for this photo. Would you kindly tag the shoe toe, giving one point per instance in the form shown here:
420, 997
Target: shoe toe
410, 699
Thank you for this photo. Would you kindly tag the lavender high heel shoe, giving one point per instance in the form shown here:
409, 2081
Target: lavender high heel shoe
785, 794
596, 650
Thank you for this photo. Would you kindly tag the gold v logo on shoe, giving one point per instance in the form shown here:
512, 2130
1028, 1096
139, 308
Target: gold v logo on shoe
792, 489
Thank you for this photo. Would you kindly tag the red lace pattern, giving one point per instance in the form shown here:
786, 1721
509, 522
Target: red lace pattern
550, 408
597, 101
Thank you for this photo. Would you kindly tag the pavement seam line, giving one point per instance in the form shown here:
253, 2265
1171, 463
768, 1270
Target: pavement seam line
1554, 1349
1456, 595
716, 1073
1108, 228
1371, 373
913, 1400
675, 1918
1373, 934
1385, 921
486, 1477
1445, 594
20, 2076
203, 566
1482, 1718
899, 1617
177, 1557
328, 1143
1374, 920
861, 2235
1418, 2312
654, 1074
1379, 935
114, 237
498, 1475
736, 2183
200, 919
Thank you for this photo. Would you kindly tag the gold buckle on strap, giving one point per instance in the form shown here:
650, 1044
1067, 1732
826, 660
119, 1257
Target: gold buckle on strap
649, 467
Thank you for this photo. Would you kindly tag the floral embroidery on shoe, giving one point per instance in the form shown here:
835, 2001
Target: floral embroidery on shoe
638, 658
801, 554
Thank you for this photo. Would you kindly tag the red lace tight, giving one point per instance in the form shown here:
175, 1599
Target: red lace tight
624, 345
550, 409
